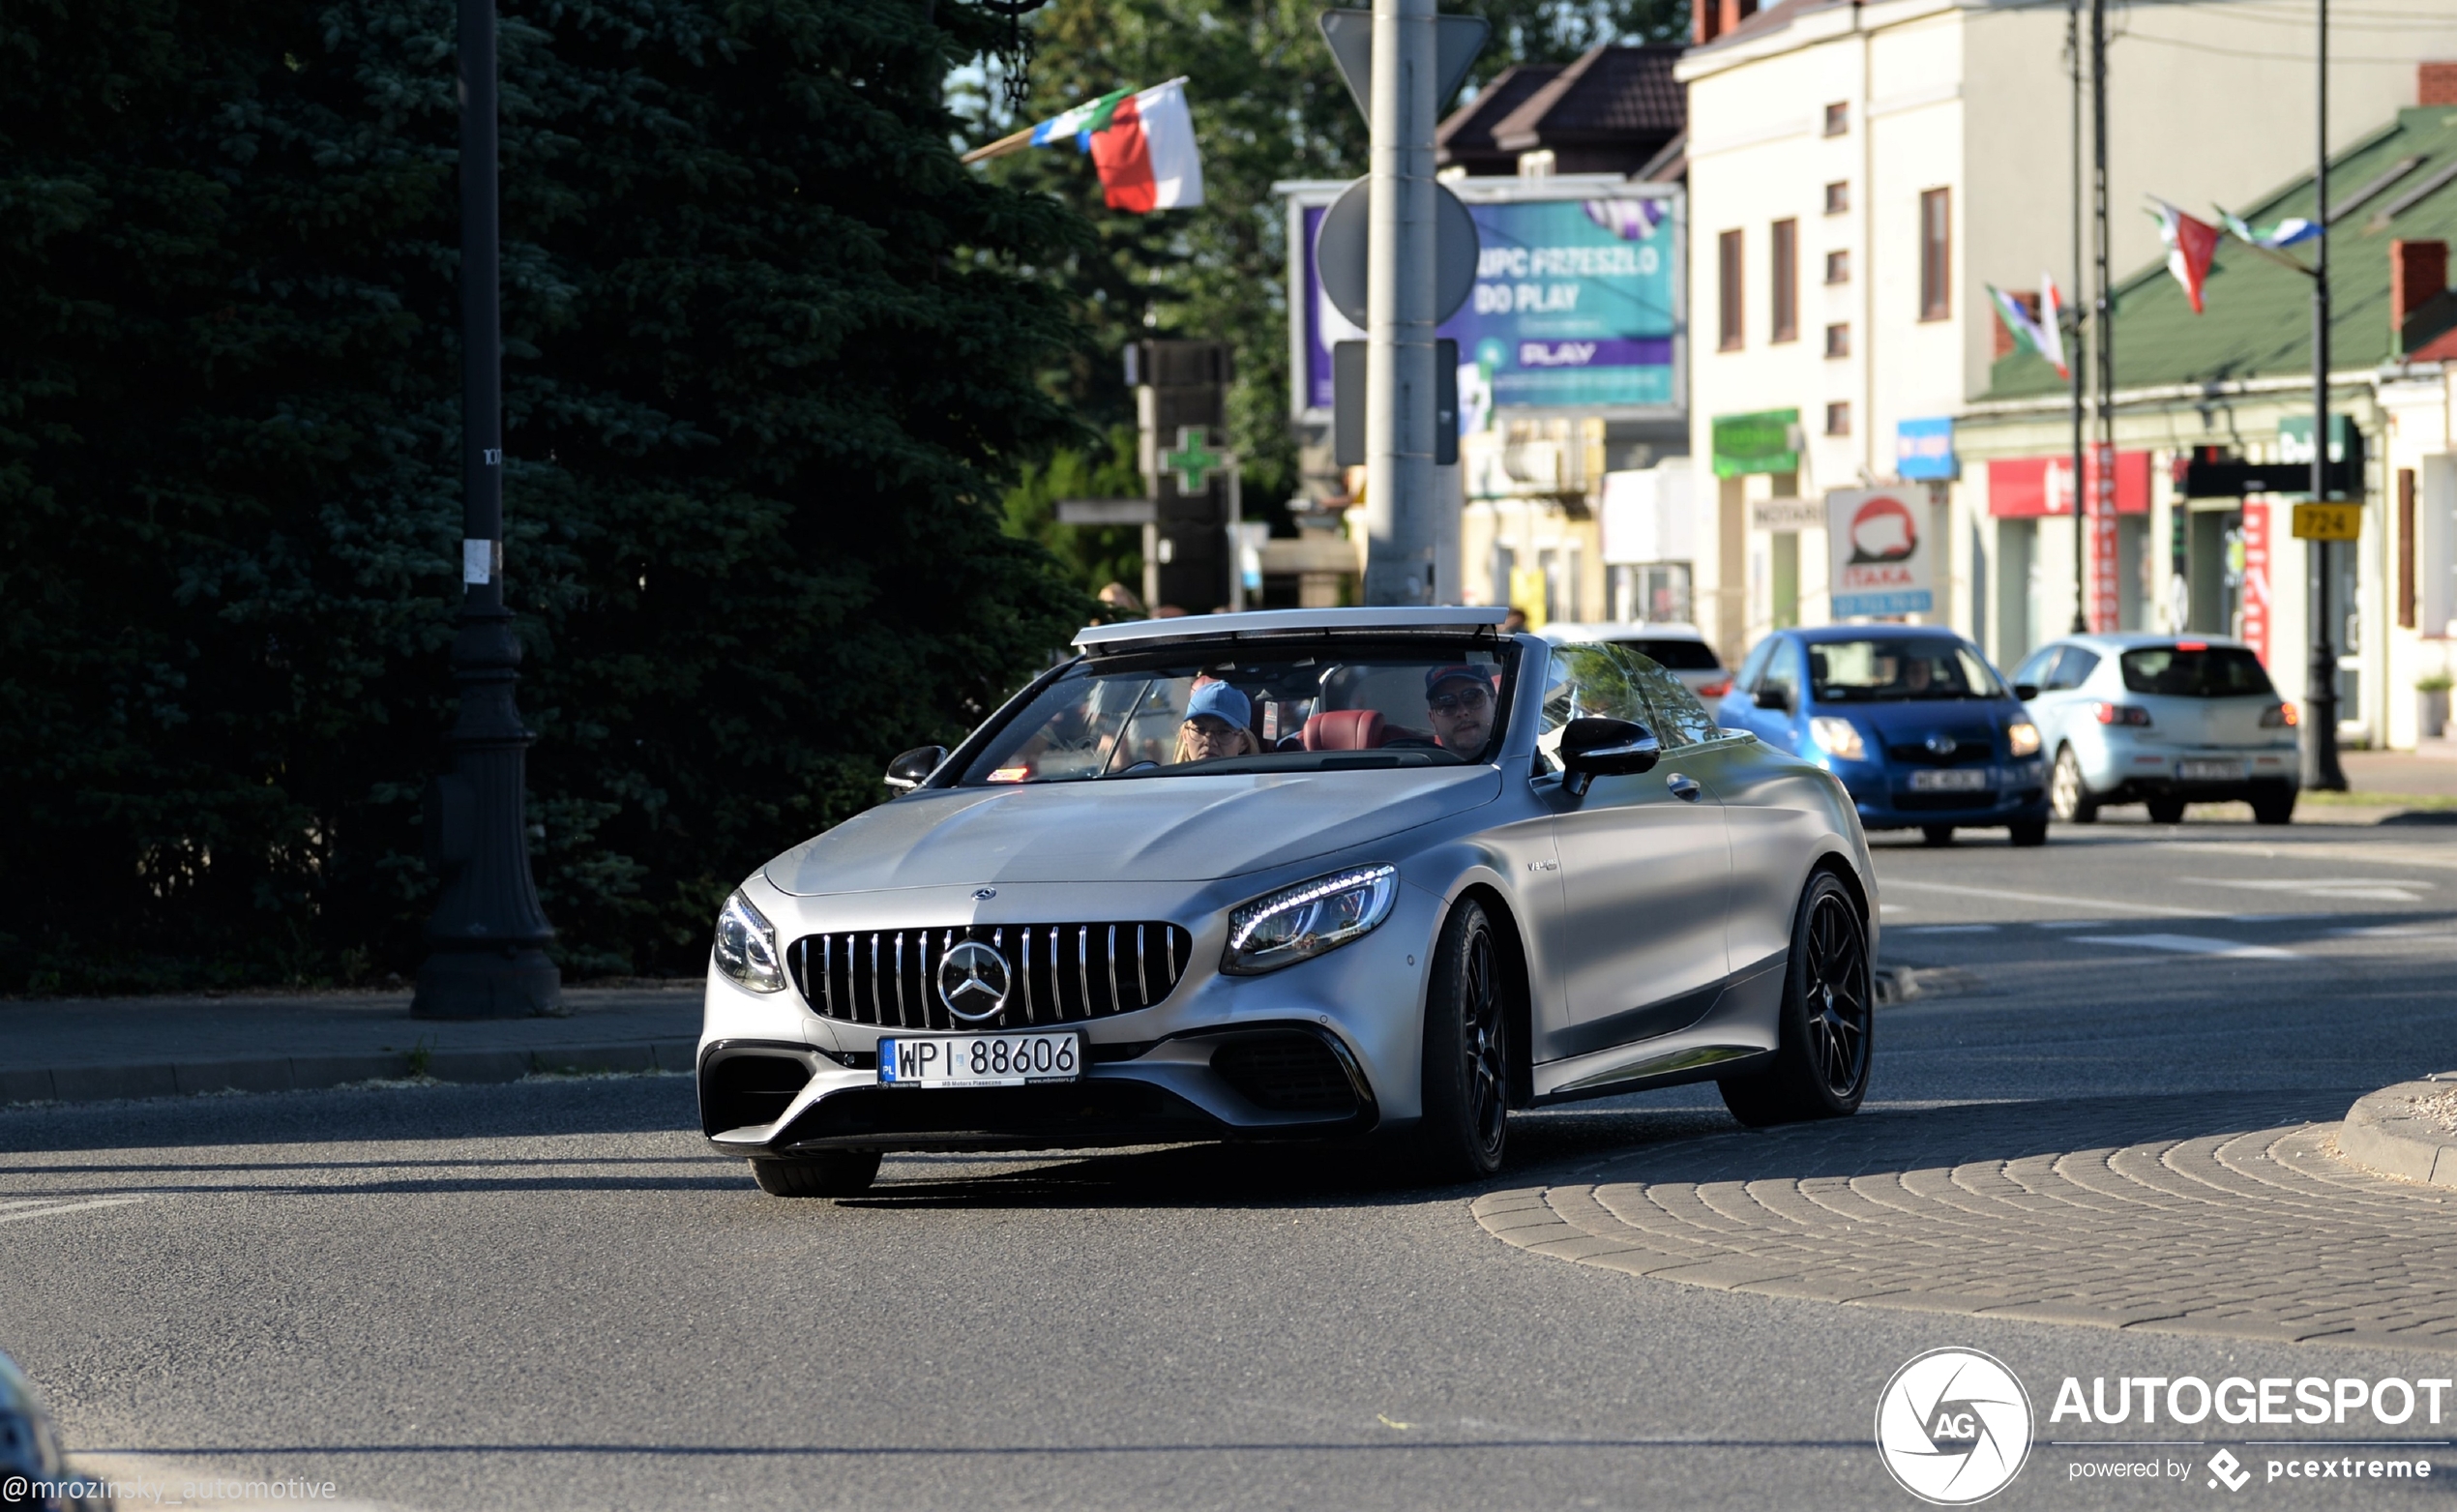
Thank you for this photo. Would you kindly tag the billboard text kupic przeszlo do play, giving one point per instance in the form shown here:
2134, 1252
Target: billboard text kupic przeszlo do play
1573, 305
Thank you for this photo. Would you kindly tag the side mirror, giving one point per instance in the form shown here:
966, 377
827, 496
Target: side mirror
2026, 691
1775, 695
913, 768
1593, 748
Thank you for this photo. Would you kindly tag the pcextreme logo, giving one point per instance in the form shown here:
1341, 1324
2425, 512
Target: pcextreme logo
1953, 1427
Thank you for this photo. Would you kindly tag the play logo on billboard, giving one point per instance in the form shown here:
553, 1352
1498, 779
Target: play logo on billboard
1883, 562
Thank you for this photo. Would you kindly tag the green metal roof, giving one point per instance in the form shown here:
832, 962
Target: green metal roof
2257, 319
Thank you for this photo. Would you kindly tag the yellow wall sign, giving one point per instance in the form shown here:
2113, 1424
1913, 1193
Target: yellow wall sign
2328, 522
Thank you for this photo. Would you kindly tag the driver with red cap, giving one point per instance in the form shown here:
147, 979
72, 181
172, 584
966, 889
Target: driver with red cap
1459, 699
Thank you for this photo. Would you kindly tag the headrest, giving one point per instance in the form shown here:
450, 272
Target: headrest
1345, 729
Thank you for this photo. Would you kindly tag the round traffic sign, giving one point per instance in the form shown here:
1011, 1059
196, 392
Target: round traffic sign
1340, 253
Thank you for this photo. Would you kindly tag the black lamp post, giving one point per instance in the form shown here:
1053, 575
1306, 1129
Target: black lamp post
486, 940
2321, 768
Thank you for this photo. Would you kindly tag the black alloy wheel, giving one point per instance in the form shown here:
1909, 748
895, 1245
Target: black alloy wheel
828, 1173
1465, 1126
1828, 1018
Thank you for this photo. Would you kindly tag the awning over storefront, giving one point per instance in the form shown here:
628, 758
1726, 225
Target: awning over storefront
2023, 488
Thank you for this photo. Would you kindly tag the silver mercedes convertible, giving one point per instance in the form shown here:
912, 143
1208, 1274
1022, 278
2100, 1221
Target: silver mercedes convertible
1308, 873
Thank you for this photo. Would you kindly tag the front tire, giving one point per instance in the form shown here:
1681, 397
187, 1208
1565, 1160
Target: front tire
829, 1174
1822, 1061
2067, 795
1465, 1125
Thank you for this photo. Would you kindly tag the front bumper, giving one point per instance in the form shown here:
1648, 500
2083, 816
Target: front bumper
2016, 793
1327, 1047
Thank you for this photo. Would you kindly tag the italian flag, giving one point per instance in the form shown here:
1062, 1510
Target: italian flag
2189, 245
1141, 142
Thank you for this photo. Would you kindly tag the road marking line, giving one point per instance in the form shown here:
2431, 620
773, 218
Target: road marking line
1949, 929
72, 1207
2390, 932
2051, 898
2382, 889
2193, 945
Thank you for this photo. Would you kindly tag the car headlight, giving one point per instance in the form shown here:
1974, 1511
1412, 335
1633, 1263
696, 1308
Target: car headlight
1300, 923
2021, 738
1840, 737
746, 946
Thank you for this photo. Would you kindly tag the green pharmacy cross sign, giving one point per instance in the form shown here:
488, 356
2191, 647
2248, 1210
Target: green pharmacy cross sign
1192, 461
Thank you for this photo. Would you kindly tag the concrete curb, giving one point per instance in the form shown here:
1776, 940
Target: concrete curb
308, 1073
2386, 1131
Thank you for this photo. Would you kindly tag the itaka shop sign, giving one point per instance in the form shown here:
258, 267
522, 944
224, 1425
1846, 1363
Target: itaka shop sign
2023, 487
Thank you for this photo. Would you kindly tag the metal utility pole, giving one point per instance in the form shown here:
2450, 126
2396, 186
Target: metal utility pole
2321, 769
2103, 317
486, 939
1400, 300
2073, 327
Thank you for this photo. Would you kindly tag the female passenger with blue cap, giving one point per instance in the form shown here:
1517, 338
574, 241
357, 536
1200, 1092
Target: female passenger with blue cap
1219, 723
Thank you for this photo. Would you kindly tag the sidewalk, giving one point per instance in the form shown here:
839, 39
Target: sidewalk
79, 1050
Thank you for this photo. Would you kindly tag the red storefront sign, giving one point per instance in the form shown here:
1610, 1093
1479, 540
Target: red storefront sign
2024, 487
2255, 601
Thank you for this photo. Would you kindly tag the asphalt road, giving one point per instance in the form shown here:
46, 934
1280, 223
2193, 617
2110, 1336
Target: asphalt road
547, 1295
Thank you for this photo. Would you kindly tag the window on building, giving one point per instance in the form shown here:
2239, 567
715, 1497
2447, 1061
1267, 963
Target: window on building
1838, 267
1837, 339
1838, 118
1838, 418
1838, 198
1727, 290
1784, 296
1936, 254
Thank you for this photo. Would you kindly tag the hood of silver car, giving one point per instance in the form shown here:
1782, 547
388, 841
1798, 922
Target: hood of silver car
1158, 829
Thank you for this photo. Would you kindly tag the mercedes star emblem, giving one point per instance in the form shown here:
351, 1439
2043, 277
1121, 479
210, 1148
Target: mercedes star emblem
973, 981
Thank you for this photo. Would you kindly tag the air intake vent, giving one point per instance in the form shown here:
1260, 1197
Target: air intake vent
1287, 1074
1056, 973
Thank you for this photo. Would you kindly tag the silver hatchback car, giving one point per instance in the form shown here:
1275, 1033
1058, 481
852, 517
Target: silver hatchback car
1296, 874
2159, 720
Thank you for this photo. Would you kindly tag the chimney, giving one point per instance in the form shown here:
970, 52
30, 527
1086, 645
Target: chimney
2436, 84
2416, 271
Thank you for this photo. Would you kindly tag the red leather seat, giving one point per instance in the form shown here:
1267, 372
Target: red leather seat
1345, 729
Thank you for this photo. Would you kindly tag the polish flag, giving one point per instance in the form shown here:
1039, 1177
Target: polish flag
2189, 243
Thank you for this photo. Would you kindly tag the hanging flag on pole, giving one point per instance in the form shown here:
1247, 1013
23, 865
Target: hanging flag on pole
1140, 141
2269, 238
2026, 328
2189, 246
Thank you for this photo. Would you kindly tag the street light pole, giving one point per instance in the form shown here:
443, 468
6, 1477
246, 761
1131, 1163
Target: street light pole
2321, 769
2102, 492
1398, 306
488, 936
2073, 329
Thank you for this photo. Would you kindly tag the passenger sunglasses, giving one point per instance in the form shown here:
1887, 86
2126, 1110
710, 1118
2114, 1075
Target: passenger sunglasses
1452, 703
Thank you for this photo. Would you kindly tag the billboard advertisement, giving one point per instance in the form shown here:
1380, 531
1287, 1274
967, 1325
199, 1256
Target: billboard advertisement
1576, 305
1883, 562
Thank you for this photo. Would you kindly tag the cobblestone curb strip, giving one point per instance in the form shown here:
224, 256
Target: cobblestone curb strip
2408, 1130
306, 1073
2229, 1216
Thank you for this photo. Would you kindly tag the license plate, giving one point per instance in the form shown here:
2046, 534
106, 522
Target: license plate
980, 1059
1965, 779
2210, 771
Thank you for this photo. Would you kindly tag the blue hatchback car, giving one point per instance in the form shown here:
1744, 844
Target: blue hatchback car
1912, 718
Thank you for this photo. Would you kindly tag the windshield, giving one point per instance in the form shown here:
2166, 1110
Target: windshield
1318, 706
2195, 671
1879, 670
1679, 656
